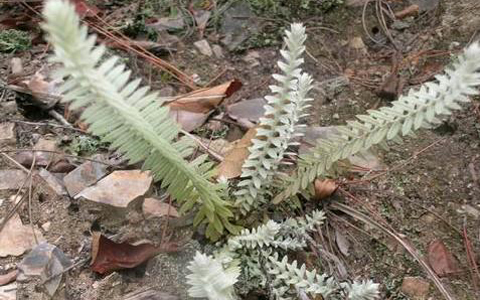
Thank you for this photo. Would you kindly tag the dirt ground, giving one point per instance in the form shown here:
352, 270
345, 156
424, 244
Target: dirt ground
429, 189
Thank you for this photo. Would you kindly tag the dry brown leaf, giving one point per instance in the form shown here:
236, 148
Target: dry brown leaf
204, 100
231, 166
441, 259
108, 256
324, 188
7, 278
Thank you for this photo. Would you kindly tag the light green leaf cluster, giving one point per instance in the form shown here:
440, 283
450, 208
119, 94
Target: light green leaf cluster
286, 275
209, 278
283, 111
365, 290
420, 108
256, 252
130, 117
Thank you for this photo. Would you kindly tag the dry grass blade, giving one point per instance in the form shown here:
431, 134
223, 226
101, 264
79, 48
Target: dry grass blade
413, 252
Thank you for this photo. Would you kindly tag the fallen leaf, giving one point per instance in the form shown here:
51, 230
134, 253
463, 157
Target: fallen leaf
204, 100
155, 208
108, 256
324, 188
84, 9
192, 110
119, 189
45, 261
7, 278
16, 238
441, 259
231, 166
342, 242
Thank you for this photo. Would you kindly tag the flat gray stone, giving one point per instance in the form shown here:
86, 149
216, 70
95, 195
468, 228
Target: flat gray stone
44, 261
7, 135
53, 182
251, 110
12, 179
84, 176
119, 189
204, 47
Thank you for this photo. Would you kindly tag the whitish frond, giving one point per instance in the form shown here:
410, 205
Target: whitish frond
283, 111
132, 119
365, 290
418, 109
288, 279
208, 278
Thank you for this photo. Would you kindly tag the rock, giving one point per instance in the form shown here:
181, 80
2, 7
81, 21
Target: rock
204, 47
83, 176
16, 66
218, 51
46, 226
252, 58
44, 261
426, 5
119, 189
53, 182
155, 208
237, 30
415, 287
12, 179
7, 135
17, 238
162, 24
251, 110
9, 291
8, 108
44, 158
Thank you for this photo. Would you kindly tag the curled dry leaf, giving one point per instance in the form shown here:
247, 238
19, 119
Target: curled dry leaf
108, 256
204, 100
192, 110
231, 166
324, 188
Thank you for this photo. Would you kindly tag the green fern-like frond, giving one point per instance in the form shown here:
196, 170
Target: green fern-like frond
276, 129
210, 279
418, 109
129, 117
287, 275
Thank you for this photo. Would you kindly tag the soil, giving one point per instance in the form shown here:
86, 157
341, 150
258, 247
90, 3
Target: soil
430, 189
